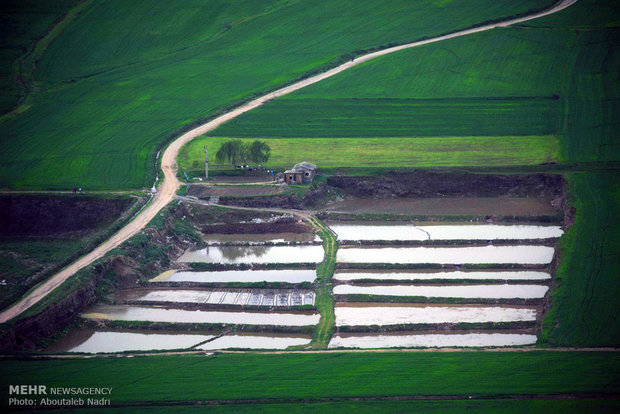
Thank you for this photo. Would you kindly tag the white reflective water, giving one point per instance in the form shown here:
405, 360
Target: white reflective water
430, 340
262, 237
459, 291
457, 275
254, 342
255, 254
105, 341
137, 313
254, 297
410, 231
394, 315
246, 276
447, 255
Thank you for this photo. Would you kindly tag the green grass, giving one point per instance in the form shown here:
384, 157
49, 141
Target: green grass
119, 81
324, 298
388, 152
373, 407
350, 116
21, 24
557, 77
328, 375
586, 300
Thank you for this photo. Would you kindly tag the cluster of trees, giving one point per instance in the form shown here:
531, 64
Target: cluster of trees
237, 152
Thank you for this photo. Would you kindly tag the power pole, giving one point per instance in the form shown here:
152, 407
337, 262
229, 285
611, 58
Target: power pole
206, 162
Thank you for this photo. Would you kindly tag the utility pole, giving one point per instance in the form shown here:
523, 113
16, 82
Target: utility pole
206, 162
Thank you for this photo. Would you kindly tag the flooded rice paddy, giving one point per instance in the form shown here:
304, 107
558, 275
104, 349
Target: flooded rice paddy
243, 276
456, 291
255, 342
262, 238
425, 314
254, 254
456, 275
447, 255
431, 340
240, 297
104, 341
423, 231
153, 314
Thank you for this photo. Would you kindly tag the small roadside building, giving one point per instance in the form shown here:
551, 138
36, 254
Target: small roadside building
301, 173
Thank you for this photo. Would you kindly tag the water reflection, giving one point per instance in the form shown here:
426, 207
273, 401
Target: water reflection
431, 340
255, 254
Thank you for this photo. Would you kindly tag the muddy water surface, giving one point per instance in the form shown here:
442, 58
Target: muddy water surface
447, 255
152, 314
458, 291
394, 315
246, 276
475, 206
431, 340
425, 231
262, 238
458, 275
105, 341
255, 254
255, 342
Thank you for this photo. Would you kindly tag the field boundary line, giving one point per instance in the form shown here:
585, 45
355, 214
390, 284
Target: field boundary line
170, 183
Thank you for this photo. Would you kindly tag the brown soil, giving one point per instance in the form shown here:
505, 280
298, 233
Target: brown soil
285, 226
206, 191
32, 215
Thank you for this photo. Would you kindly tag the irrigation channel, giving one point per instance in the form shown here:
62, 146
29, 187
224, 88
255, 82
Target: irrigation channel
331, 300
170, 184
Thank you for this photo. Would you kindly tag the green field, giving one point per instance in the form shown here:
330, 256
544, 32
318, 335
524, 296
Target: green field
108, 100
21, 24
555, 76
332, 375
586, 301
386, 152
371, 407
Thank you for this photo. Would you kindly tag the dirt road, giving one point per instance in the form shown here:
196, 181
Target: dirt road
170, 184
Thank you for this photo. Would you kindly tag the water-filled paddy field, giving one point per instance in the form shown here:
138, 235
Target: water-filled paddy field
240, 297
239, 276
254, 254
360, 230
91, 341
255, 342
433, 275
455, 291
447, 255
347, 315
262, 238
152, 314
430, 340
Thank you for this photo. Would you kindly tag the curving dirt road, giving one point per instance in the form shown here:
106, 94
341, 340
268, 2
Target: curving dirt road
170, 184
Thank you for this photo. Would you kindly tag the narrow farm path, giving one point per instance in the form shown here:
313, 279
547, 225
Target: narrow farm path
170, 184
324, 298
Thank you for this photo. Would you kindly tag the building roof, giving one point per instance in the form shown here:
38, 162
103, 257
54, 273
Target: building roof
304, 166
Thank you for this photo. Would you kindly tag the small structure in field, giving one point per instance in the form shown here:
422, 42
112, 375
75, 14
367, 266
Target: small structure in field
301, 173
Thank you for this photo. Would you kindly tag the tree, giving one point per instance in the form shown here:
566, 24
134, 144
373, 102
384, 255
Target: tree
236, 151
259, 152
232, 151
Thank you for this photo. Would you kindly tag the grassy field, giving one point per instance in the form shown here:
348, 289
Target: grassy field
505, 82
372, 407
107, 101
21, 24
586, 301
332, 375
386, 152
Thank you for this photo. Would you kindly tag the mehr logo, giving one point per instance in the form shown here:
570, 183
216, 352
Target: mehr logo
27, 390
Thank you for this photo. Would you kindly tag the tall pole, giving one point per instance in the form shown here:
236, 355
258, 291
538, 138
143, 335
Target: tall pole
206, 162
